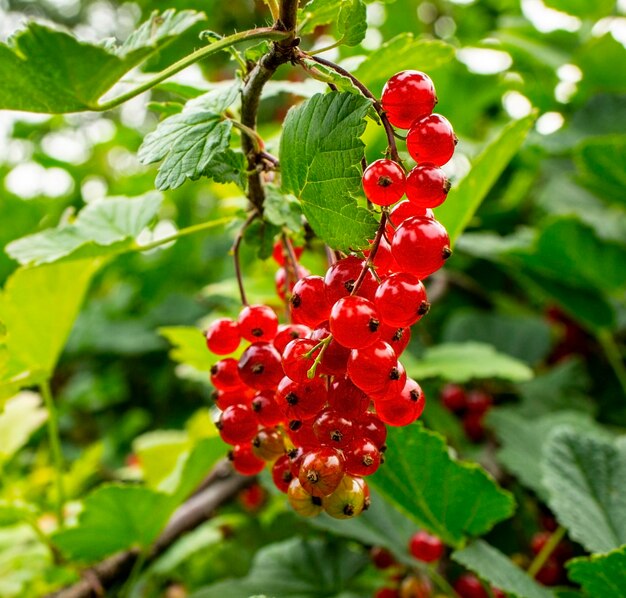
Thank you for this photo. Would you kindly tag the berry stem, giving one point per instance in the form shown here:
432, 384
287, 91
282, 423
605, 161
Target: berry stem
55, 447
544, 554
235, 250
370, 259
389, 130
324, 345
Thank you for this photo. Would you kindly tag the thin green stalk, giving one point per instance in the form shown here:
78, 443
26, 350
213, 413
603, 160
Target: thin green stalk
222, 44
127, 589
544, 554
55, 447
325, 48
183, 232
442, 583
612, 352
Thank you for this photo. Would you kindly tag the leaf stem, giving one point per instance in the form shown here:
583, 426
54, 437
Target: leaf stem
613, 355
222, 44
326, 48
544, 554
183, 232
55, 447
259, 144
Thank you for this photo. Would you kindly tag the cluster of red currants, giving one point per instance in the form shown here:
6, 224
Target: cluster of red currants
471, 406
313, 397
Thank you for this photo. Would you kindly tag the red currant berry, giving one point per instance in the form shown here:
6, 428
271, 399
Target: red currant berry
384, 182
427, 186
301, 501
383, 261
398, 338
266, 409
253, 498
225, 375
335, 358
341, 277
362, 457
347, 500
296, 359
297, 454
244, 461
308, 303
420, 246
425, 547
431, 139
237, 424
401, 300
354, 322
268, 444
550, 574
226, 398
469, 586
370, 426
260, 366
473, 426
280, 255
395, 384
287, 333
538, 541
381, 557
222, 336
478, 401
321, 471
302, 435
407, 96
345, 398
284, 282
333, 429
301, 401
404, 408
403, 211
281, 473
387, 593
374, 367
258, 323
453, 397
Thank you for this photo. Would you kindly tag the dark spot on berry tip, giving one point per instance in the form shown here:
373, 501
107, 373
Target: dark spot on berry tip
257, 332
367, 503
219, 425
296, 301
446, 252
294, 334
230, 455
316, 500
394, 374
258, 368
287, 476
214, 369
456, 140
348, 510
384, 181
367, 460
382, 458
447, 186
293, 453
373, 324
415, 396
398, 334
336, 436
256, 442
313, 476
214, 395
423, 309
294, 426
256, 406
382, 448
292, 398
349, 285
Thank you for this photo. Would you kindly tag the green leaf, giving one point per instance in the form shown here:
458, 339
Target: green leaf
260, 234
189, 347
585, 477
603, 62
282, 209
22, 415
38, 307
227, 167
120, 517
320, 152
50, 71
601, 574
189, 142
352, 23
101, 228
295, 568
527, 338
498, 570
158, 452
522, 441
583, 8
466, 196
450, 498
318, 12
401, 53
15, 512
462, 362
601, 162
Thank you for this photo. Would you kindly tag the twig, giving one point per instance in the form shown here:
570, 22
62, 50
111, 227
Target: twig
235, 251
372, 255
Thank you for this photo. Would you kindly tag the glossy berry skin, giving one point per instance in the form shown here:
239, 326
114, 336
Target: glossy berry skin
258, 323
268, 444
308, 303
281, 473
372, 368
404, 408
333, 429
225, 398
403, 211
394, 384
407, 96
335, 358
420, 246
321, 471
347, 500
287, 333
279, 253
427, 186
354, 322
397, 338
371, 427
453, 397
284, 282
362, 457
302, 436
301, 401
260, 366
225, 375
384, 182
401, 300
237, 424
469, 586
342, 275
245, 461
266, 409
301, 501
383, 261
432, 140
223, 336
347, 399
296, 364
425, 547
